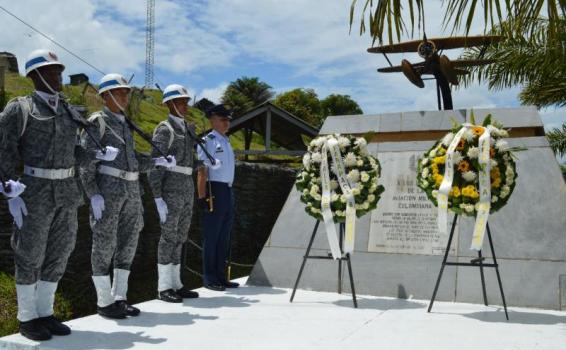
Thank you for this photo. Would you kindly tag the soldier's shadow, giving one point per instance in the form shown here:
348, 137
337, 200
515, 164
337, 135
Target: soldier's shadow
152, 319
220, 301
90, 340
246, 290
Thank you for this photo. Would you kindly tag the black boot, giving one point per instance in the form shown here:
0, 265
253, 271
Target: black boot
185, 293
127, 308
111, 311
54, 326
170, 296
229, 284
215, 287
34, 330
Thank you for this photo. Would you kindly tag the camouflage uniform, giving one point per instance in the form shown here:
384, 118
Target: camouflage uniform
49, 140
177, 190
115, 235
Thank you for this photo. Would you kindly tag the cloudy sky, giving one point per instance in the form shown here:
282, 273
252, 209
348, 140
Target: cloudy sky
206, 44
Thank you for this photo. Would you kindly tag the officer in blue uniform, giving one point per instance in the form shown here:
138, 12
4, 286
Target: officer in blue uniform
216, 199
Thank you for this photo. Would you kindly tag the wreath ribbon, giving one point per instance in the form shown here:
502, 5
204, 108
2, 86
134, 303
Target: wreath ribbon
484, 186
331, 146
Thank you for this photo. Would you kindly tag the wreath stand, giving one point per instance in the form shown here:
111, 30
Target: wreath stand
343, 257
477, 262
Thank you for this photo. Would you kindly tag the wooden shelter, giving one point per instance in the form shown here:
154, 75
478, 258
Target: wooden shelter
275, 125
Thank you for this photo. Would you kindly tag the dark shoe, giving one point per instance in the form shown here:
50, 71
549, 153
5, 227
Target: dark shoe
111, 311
34, 330
231, 284
128, 309
215, 287
185, 293
54, 326
170, 296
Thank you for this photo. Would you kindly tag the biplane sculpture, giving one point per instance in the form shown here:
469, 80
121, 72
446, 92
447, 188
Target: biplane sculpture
442, 69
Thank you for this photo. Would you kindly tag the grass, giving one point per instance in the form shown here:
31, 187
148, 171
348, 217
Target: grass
146, 110
9, 308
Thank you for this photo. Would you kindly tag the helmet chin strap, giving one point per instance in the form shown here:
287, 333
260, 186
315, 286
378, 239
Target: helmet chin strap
122, 109
177, 111
46, 83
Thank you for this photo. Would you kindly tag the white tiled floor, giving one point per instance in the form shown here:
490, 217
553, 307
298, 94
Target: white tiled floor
262, 318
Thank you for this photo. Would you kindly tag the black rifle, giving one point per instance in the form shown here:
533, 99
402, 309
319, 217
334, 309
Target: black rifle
140, 132
75, 117
4, 181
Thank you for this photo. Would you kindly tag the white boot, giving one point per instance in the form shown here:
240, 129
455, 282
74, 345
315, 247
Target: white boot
120, 284
26, 302
176, 277
45, 298
163, 277
102, 285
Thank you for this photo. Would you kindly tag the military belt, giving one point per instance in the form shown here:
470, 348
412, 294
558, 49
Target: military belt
181, 170
49, 174
121, 174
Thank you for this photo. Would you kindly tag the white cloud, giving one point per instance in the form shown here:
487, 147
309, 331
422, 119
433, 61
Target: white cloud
213, 94
197, 39
108, 45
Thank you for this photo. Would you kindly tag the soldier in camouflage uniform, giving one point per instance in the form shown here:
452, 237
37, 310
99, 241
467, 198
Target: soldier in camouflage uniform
41, 131
173, 190
115, 195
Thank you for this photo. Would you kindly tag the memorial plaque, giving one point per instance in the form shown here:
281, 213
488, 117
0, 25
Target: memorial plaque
405, 220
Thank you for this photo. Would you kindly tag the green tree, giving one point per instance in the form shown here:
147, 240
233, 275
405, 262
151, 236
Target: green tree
336, 104
557, 139
534, 60
245, 93
387, 17
302, 103
531, 54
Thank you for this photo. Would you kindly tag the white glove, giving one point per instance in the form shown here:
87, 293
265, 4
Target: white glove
97, 204
16, 188
18, 210
110, 155
217, 164
161, 209
161, 161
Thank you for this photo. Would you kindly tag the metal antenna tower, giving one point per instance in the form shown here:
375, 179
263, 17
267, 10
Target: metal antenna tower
149, 42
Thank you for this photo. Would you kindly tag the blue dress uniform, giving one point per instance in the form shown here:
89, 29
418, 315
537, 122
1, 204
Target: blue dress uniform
217, 224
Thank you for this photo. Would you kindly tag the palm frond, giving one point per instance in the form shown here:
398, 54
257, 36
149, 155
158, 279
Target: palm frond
387, 17
536, 62
557, 140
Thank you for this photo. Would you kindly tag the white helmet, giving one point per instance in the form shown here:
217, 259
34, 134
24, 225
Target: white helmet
174, 91
41, 58
111, 82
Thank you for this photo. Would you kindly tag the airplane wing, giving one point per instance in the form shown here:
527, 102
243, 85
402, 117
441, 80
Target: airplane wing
440, 43
398, 69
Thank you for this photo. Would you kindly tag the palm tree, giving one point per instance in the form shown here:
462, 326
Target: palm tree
387, 17
532, 54
535, 62
557, 139
246, 93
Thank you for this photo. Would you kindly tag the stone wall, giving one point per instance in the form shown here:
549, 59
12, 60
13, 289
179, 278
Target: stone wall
260, 191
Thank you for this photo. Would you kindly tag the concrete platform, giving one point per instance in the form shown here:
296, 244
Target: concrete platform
262, 318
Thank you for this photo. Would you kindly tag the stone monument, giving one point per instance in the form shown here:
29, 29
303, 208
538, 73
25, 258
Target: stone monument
398, 250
